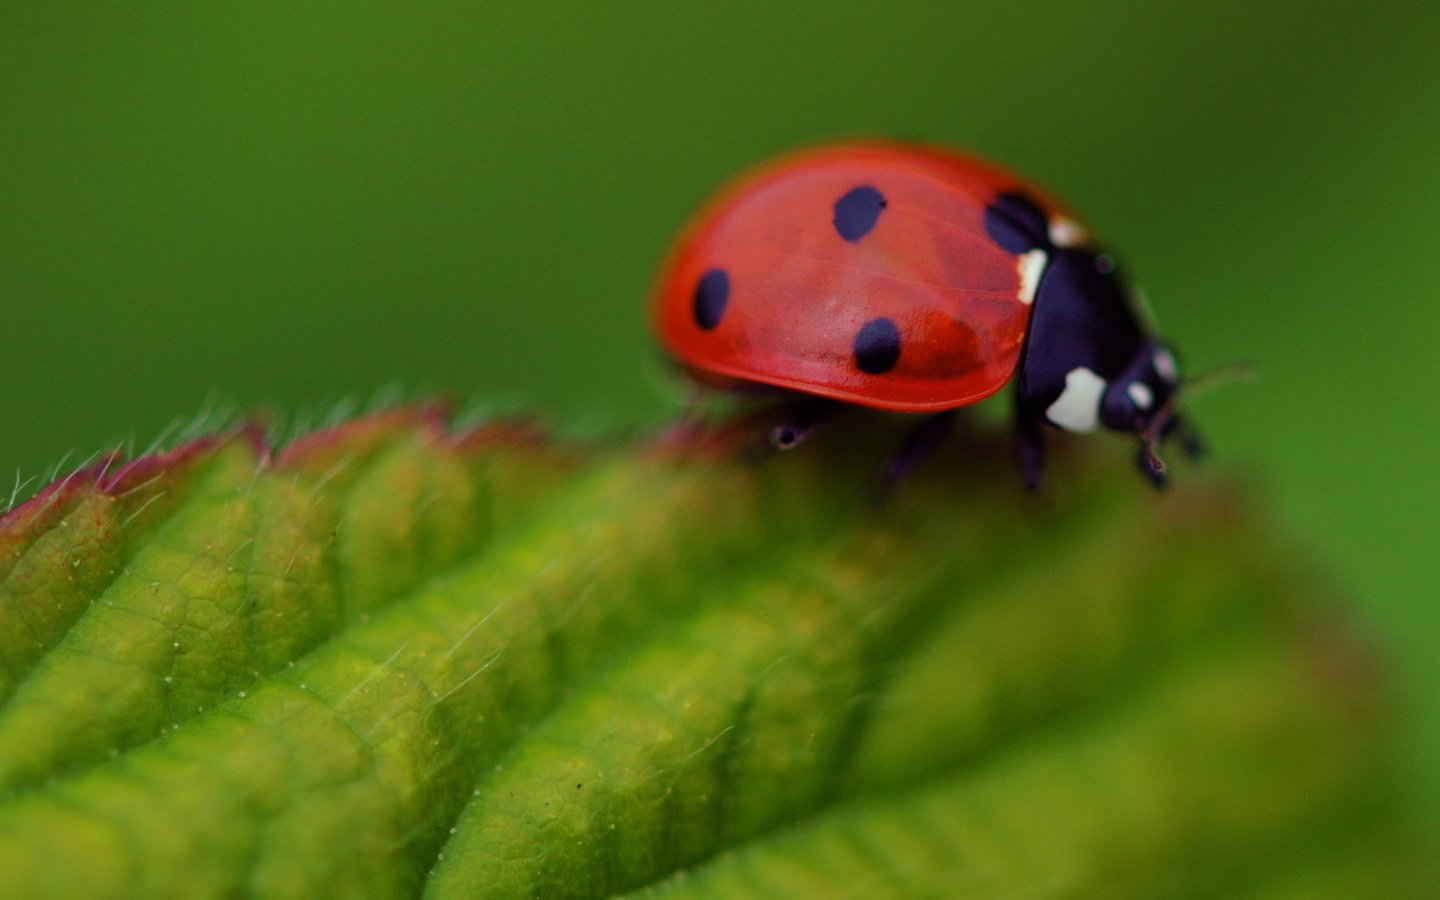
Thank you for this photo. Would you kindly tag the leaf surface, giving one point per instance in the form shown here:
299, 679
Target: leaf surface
392, 660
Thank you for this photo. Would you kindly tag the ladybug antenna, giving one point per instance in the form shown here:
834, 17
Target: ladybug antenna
1163, 421
1207, 381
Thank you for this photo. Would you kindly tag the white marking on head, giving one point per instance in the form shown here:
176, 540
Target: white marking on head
1030, 266
1078, 406
1165, 364
1140, 394
1066, 232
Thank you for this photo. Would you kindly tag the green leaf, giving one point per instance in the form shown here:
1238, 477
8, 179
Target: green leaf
390, 660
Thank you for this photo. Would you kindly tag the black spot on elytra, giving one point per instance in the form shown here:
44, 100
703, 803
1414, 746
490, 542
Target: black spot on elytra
857, 212
1015, 223
712, 292
877, 346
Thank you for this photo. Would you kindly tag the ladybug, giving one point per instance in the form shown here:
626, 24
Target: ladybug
914, 279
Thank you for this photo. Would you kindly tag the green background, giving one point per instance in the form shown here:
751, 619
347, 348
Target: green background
280, 206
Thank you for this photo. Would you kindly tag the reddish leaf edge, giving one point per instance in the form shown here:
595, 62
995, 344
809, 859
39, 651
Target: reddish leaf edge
114, 475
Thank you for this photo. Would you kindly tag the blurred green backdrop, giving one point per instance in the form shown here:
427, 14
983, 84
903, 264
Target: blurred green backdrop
284, 204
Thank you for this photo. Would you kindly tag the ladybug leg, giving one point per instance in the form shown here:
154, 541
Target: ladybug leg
1030, 447
805, 417
1151, 466
1190, 442
917, 446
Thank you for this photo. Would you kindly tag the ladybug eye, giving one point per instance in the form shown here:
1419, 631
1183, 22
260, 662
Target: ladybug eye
1104, 263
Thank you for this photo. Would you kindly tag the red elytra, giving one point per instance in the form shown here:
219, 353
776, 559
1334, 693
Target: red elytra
798, 288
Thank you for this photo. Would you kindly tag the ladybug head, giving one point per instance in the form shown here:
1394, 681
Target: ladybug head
1144, 391
1143, 400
